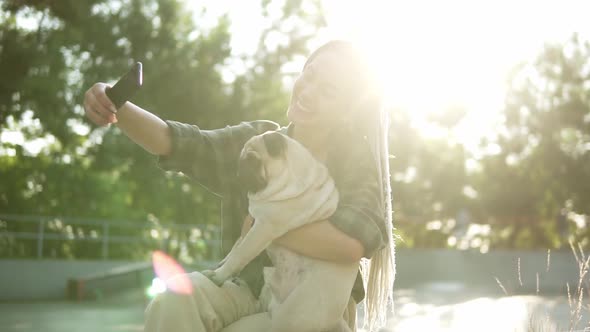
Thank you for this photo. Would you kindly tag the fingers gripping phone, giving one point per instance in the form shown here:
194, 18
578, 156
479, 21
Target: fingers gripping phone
126, 86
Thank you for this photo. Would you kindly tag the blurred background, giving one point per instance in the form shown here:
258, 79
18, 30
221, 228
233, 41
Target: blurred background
490, 143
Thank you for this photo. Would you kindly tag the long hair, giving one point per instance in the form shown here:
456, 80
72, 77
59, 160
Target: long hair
379, 271
373, 122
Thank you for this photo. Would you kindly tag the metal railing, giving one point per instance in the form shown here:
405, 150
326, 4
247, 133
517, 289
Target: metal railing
105, 232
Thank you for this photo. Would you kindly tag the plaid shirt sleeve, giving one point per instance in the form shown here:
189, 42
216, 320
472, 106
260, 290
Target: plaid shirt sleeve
210, 156
360, 210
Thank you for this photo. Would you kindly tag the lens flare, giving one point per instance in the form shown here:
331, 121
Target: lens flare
172, 273
157, 287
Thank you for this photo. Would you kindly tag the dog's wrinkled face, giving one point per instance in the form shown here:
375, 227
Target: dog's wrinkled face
262, 159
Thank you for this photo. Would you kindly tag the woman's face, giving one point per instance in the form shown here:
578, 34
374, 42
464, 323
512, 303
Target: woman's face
324, 91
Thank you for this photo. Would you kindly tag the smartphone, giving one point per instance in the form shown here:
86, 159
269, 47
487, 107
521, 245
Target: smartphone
127, 86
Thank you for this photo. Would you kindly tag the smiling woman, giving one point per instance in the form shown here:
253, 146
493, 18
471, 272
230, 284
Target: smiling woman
337, 116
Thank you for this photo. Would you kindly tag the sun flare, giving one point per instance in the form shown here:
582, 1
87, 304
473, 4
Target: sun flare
434, 55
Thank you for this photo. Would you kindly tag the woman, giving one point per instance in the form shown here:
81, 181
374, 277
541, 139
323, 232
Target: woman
335, 113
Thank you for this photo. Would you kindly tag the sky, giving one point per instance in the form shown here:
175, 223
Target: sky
436, 54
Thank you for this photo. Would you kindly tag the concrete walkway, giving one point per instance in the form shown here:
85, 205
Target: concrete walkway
120, 313
433, 307
451, 307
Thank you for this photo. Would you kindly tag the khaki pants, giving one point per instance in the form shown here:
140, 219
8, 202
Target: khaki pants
230, 308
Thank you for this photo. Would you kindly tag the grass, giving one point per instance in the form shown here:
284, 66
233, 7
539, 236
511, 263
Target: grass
575, 295
576, 299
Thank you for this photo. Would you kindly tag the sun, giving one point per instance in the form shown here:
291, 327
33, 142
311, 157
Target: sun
427, 57
433, 55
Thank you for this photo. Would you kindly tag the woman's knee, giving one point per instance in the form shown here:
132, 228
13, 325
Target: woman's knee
168, 301
172, 304
213, 306
168, 311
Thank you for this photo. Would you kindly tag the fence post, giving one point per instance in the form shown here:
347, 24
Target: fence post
105, 241
40, 238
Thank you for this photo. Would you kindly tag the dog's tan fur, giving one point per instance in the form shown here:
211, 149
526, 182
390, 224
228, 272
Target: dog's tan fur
307, 294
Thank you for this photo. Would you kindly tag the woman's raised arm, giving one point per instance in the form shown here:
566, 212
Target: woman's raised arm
142, 127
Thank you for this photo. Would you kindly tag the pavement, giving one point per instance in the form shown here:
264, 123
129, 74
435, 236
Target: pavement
431, 307
123, 312
453, 307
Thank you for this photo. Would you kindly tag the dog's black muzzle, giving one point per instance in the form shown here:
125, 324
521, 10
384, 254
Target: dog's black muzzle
250, 172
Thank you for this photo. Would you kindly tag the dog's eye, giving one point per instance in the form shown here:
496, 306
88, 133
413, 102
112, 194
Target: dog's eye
275, 143
249, 172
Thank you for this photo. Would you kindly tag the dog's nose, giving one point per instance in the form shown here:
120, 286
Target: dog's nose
250, 172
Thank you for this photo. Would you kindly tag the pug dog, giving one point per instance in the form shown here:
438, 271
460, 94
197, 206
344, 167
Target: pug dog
288, 188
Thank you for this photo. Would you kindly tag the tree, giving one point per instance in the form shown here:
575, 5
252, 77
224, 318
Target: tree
54, 50
428, 178
543, 163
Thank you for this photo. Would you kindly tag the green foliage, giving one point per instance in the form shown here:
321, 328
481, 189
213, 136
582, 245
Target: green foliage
540, 168
543, 166
51, 52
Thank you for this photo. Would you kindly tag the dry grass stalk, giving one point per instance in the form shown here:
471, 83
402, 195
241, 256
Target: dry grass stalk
519, 278
576, 304
501, 286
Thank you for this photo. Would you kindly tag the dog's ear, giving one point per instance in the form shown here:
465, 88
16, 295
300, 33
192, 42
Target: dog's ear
250, 172
275, 143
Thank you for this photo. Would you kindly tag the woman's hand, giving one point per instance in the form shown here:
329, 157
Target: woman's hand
141, 126
98, 107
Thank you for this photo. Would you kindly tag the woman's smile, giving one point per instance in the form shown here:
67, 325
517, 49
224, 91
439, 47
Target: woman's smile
323, 92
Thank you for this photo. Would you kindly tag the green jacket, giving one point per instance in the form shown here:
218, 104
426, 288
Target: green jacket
211, 157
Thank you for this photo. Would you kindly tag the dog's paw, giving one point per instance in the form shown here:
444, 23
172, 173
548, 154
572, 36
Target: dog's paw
214, 276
